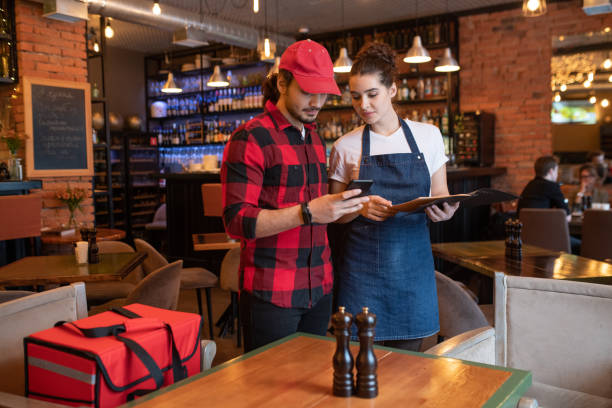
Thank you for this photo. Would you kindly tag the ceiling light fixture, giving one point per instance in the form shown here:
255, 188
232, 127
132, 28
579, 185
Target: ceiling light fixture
343, 63
170, 85
534, 8
156, 9
593, 100
587, 84
267, 47
605, 103
96, 46
557, 97
217, 80
447, 63
563, 87
607, 64
417, 54
108, 30
255, 6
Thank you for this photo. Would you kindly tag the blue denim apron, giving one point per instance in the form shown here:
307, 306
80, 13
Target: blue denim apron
388, 266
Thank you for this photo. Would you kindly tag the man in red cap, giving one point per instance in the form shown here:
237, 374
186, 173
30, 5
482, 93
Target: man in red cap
275, 201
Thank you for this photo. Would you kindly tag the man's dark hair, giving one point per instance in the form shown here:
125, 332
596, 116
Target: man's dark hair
269, 89
544, 164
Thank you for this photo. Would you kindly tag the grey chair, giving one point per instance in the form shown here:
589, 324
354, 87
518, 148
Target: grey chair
191, 278
545, 228
559, 330
596, 228
159, 288
458, 311
21, 317
101, 292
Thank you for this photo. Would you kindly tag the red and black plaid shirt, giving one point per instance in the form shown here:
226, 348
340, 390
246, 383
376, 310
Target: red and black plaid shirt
267, 165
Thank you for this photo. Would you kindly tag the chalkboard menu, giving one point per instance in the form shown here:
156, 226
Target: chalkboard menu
58, 127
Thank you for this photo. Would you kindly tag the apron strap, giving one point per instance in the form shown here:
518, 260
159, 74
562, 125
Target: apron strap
365, 139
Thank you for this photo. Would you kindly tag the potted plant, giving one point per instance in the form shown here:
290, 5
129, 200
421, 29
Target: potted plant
13, 143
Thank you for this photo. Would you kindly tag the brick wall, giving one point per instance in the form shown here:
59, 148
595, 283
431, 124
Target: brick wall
52, 49
505, 69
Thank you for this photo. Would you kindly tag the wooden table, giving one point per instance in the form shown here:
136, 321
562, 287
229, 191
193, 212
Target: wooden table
102, 234
297, 372
488, 257
52, 269
213, 241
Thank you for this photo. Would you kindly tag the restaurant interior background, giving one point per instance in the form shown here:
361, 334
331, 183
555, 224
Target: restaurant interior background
511, 66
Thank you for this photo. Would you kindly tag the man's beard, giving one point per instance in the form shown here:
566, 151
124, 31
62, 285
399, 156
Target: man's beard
300, 116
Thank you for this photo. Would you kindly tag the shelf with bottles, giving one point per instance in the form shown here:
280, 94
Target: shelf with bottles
8, 50
195, 133
184, 158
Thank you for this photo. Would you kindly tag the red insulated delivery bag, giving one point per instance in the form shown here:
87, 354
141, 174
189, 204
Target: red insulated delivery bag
110, 358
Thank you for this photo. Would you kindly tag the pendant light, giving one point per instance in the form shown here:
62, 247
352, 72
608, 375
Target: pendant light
170, 85
417, 54
156, 9
267, 47
534, 8
343, 63
255, 6
108, 30
217, 80
447, 63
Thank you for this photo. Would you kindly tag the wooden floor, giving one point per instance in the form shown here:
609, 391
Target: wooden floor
226, 347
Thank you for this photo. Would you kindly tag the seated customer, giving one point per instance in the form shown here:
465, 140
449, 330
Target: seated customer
544, 191
598, 160
588, 187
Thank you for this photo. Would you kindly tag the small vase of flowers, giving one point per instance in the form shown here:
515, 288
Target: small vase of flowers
72, 197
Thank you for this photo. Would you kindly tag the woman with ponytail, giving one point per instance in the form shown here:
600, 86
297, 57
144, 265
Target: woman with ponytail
386, 262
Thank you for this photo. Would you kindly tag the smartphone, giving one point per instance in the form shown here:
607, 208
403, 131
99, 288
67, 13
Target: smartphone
364, 185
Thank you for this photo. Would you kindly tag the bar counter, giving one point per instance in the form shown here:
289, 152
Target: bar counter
185, 213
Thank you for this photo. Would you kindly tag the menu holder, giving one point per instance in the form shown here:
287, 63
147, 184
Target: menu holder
58, 128
481, 196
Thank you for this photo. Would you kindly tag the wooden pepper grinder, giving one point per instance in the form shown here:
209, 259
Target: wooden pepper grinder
367, 381
92, 255
518, 241
343, 359
509, 237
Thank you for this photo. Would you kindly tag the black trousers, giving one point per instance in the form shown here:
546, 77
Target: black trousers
264, 322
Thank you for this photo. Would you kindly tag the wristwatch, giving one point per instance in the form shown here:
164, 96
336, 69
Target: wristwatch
306, 214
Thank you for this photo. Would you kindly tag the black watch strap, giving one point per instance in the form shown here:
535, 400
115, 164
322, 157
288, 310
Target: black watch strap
306, 214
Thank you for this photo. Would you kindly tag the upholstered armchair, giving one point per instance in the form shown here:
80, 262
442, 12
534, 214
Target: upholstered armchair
559, 330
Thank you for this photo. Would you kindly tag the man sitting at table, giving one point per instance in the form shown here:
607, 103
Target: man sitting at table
544, 191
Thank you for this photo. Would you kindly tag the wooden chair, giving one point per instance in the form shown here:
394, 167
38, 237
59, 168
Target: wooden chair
596, 228
559, 330
20, 219
191, 278
545, 228
101, 292
21, 317
159, 288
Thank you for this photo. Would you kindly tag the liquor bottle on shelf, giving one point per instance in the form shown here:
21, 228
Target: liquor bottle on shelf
428, 92
420, 88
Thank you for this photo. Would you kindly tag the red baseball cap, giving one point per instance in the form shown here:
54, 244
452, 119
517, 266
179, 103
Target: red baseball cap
310, 64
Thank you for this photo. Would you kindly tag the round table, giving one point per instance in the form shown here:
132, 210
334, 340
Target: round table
56, 244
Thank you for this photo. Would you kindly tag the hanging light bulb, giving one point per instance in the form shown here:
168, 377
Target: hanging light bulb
343, 63
266, 49
590, 76
563, 87
605, 103
156, 9
417, 54
170, 85
255, 6
534, 8
447, 63
96, 46
108, 30
610, 78
593, 100
607, 64
557, 97
275, 67
587, 84
217, 80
